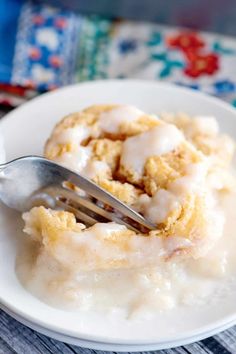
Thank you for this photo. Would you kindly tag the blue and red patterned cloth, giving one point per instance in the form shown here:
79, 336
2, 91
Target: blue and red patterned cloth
42, 48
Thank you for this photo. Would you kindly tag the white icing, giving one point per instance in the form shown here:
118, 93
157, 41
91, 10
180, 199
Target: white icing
96, 168
175, 243
227, 145
73, 135
205, 125
157, 208
110, 121
193, 181
76, 160
155, 142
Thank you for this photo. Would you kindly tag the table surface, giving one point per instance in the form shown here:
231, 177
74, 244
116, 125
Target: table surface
19, 339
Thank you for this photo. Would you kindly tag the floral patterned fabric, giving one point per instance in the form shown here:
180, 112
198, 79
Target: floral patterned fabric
55, 48
45, 50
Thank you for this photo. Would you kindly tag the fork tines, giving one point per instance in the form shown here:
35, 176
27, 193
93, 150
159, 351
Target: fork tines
90, 210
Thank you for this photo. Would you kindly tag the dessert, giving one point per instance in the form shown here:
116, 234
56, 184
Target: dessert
174, 170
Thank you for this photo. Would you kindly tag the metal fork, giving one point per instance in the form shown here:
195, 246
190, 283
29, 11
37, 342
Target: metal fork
31, 180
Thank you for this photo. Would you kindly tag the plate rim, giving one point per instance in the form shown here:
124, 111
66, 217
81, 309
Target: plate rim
112, 346
164, 84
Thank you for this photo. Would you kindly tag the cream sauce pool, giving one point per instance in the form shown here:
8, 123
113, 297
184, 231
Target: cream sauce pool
142, 290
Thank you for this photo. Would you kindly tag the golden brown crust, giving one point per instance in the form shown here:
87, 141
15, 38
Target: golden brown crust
143, 124
160, 171
42, 220
126, 192
107, 150
212, 144
87, 117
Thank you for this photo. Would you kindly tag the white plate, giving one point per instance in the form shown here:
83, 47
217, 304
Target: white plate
25, 131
